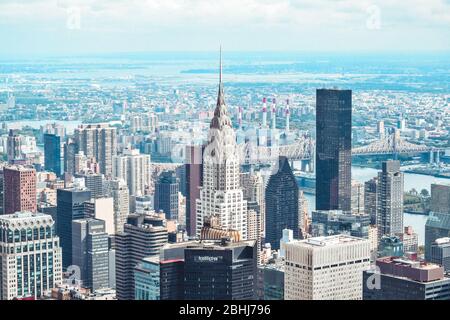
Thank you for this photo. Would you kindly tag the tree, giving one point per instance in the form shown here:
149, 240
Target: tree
424, 193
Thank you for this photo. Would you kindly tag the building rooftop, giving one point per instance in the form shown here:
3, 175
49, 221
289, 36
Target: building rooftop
328, 240
445, 240
417, 270
24, 216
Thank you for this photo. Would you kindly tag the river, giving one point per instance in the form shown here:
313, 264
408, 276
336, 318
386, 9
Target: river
412, 180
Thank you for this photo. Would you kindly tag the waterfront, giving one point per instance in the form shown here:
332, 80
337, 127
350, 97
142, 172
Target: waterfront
412, 180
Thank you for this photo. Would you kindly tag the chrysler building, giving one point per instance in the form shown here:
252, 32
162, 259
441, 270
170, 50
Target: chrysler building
221, 196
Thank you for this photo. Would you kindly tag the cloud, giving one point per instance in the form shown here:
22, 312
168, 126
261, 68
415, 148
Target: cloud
250, 23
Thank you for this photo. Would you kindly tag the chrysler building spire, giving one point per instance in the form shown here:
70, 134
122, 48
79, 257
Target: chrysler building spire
221, 117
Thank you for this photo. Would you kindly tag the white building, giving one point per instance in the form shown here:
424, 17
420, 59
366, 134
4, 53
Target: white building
118, 190
221, 193
326, 268
134, 169
36, 233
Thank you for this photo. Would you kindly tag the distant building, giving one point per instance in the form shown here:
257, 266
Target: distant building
370, 199
103, 209
147, 279
134, 168
143, 236
36, 245
118, 190
166, 194
326, 223
400, 279
94, 182
53, 153
90, 251
333, 149
390, 246
440, 253
390, 199
357, 200
281, 203
440, 198
410, 240
71, 148
326, 268
19, 185
273, 280
437, 226
99, 141
194, 180
14, 146
70, 206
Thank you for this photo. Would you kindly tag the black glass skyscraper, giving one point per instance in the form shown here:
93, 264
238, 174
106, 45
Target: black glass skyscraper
70, 206
52, 153
333, 149
281, 204
166, 194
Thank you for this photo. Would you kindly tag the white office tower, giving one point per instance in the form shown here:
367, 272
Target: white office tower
221, 194
326, 268
118, 190
30, 255
134, 169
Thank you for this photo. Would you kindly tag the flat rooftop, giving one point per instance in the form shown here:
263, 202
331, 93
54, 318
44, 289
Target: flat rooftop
329, 240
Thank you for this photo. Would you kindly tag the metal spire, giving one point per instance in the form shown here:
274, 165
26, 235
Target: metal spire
221, 117
220, 96
220, 61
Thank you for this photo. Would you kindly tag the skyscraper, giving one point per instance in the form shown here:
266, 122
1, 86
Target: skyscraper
36, 270
210, 270
118, 190
14, 146
253, 187
134, 168
70, 206
90, 252
357, 197
281, 204
326, 268
99, 141
333, 149
220, 272
390, 199
221, 193
143, 236
94, 182
166, 194
52, 153
71, 148
19, 189
194, 181
370, 199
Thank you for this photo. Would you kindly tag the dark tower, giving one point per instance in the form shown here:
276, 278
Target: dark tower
333, 149
281, 204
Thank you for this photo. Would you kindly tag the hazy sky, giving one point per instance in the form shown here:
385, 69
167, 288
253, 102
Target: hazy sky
87, 26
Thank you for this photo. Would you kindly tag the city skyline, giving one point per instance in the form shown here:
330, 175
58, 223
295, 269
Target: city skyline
272, 174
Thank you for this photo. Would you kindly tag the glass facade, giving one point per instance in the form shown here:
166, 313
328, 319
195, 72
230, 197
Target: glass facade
333, 149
